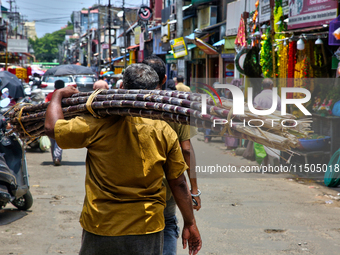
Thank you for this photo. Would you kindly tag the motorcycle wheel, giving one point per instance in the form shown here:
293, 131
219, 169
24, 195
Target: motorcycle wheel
25, 202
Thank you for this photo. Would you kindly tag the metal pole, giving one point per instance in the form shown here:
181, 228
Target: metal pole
88, 39
99, 35
124, 34
109, 16
179, 10
6, 46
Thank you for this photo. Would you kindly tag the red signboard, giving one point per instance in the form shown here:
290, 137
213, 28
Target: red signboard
105, 46
310, 13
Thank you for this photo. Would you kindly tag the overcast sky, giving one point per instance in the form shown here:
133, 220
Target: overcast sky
51, 15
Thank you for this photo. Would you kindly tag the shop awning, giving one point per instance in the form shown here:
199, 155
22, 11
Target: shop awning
214, 26
191, 36
189, 47
132, 47
230, 43
205, 47
185, 17
219, 43
186, 7
119, 58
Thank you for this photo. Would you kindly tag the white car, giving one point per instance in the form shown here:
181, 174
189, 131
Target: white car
47, 82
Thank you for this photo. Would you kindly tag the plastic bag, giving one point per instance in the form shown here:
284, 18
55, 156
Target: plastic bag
260, 152
44, 143
336, 33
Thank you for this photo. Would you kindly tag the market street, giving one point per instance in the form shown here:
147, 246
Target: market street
251, 214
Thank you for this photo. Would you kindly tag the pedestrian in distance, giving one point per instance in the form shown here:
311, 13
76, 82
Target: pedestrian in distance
126, 160
56, 151
180, 86
184, 133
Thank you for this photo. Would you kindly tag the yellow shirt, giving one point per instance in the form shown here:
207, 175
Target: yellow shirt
181, 87
124, 171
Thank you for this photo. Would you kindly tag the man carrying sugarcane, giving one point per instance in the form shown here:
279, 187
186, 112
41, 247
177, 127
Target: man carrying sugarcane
184, 133
126, 160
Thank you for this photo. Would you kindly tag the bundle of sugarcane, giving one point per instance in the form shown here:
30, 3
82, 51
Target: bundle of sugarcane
174, 106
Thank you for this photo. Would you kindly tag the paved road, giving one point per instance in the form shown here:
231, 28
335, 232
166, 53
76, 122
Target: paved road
242, 213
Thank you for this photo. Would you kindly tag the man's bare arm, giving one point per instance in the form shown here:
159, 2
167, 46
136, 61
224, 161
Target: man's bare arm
189, 157
190, 233
54, 111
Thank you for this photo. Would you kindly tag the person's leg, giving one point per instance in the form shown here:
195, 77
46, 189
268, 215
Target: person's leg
207, 136
150, 244
171, 234
171, 230
56, 152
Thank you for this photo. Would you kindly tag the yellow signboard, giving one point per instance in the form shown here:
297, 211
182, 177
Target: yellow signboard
178, 47
137, 31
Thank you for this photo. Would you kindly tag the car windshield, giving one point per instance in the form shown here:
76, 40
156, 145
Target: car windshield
54, 78
85, 79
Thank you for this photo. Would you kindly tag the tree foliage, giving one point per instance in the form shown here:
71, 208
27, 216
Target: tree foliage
46, 47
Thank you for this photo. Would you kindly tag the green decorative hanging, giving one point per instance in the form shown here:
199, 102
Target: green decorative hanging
266, 60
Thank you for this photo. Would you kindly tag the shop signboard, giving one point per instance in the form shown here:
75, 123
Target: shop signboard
285, 7
178, 47
310, 13
137, 32
264, 11
208, 49
228, 57
17, 45
169, 59
105, 46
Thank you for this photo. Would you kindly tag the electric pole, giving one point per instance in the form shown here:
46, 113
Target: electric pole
125, 52
109, 17
99, 37
179, 28
89, 42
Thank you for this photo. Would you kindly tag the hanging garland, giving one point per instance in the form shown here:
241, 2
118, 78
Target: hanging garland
283, 65
241, 36
266, 60
255, 16
278, 16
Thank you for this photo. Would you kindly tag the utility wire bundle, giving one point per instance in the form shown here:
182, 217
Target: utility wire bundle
173, 106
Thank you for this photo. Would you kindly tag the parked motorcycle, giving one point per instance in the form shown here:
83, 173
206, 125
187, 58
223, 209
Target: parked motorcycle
14, 185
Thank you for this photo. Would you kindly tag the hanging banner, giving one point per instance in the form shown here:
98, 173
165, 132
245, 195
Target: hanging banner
310, 13
178, 47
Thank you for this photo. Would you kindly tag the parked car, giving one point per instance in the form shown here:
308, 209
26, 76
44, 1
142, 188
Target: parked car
85, 82
47, 82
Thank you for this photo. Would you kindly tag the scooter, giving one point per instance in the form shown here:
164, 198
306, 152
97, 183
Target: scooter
14, 185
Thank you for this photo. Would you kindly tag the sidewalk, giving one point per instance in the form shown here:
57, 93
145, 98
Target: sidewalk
253, 213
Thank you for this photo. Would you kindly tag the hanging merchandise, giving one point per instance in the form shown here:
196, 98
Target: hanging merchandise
241, 35
251, 66
266, 60
255, 16
278, 17
239, 60
283, 65
302, 75
291, 66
